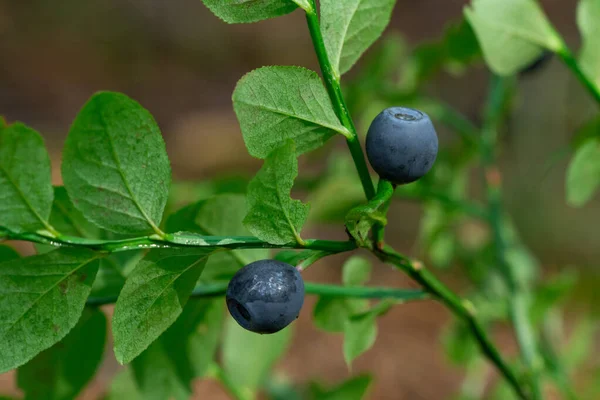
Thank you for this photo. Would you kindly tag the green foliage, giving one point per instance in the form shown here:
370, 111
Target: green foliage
41, 300
63, 370
123, 386
153, 297
588, 15
360, 220
272, 215
248, 358
360, 331
244, 11
353, 389
350, 27
115, 165
182, 353
67, 219
275, 104
356, 272
583, 174
512, 33
25, 180
8, 253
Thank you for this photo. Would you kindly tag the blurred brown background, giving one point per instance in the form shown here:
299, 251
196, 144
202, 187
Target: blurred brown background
182, 64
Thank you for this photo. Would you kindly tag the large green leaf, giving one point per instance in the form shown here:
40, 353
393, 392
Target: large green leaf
350, 27
275, 104
243, 11
272, 215
25, 179
184, 352
63, 370
352, 389
7, 253
512, 33
115, 165
67, 219
583, 173
41, 300
247, 357
153, 297
588, 19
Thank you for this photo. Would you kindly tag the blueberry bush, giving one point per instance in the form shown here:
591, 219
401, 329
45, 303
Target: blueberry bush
111, 233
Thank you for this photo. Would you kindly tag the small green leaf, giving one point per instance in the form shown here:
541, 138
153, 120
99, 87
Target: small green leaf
360, 220
153, 297
41, 300
512, 33
7, 253
360, 331
248, 358
276, 104
459, 344
350, 27
353, 389
166, 369
244, 11
115, 165
588, 19
124, 386
62, 371
331, 314
356, 271
272, 215
583, 173
25, 180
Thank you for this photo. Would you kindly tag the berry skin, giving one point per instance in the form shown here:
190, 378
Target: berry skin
401, 144
265, 296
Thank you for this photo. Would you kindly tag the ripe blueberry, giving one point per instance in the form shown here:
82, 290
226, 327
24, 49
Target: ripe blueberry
401, 144
265, 296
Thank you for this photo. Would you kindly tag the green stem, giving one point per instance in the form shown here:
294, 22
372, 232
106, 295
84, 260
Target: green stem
518, 300
178, 240
332, 83
571, 62
462, 308
385, 192
317, 289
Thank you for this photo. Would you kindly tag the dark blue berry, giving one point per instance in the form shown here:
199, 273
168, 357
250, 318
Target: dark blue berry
401, 144
265, 296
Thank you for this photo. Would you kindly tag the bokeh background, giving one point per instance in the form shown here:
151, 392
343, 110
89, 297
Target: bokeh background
182, 64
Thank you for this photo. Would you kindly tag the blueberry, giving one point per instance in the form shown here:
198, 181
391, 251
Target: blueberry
401, 144
265, 296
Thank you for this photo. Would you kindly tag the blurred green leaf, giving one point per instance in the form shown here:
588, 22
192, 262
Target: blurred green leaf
272, 215
350, 27
512, 33
331, 314
353, 389
583, 173
244, 11
62, 371
276, 104
7, 253
25, 179
124, 386
580, 345
459, 344
109, 280
248, 357
182, 353
360, 331
550, 293
153, 297
41, 300
356, 271
588, 20
115, 165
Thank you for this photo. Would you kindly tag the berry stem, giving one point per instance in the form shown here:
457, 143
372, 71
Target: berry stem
332, 83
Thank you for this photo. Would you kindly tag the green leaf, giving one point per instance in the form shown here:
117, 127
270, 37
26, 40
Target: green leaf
7, 253
580, 344
276, 104
153, 297
360, 331
184, 352
356, 271
512, 33
583, 173
244, 11
248, 358
220, 215
350, 27
124, 386
459, 344
62, 371
110, 279
68, 220
353, 389
331, 314
588, 19
551, 293
41, 300
272, 215
25, 180
360, 220
115, 165
302, 259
